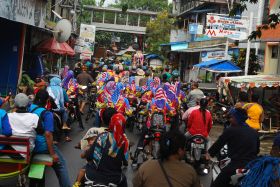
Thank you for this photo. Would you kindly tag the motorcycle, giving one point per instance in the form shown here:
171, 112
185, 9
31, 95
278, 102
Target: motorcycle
196, 153
92, 96
151, 141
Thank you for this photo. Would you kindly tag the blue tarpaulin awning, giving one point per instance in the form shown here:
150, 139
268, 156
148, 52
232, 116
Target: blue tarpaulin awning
221, 66
153, 56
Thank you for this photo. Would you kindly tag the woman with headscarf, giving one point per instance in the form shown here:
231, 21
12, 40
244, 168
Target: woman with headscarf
109, 152
59, 96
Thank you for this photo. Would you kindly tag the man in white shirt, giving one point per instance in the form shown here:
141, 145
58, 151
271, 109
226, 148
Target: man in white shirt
23, 123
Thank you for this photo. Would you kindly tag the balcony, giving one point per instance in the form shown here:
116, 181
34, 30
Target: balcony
187, 5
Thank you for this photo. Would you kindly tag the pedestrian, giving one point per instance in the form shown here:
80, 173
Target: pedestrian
44, 143
5, 127
169, 170
194, 94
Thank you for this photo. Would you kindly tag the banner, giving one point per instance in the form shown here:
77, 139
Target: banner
220, 55
87, 32
178, 36
234, 35
195, 28
226, 22
30, 12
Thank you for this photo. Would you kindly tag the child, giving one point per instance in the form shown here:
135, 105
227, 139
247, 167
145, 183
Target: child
86, 143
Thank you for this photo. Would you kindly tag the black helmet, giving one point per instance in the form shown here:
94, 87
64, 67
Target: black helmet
203, 103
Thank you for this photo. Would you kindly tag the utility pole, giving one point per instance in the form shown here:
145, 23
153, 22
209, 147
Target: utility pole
75, 16
249, 44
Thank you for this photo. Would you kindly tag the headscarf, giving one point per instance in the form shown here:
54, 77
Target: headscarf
69, 76
65, 71
240, 116
119, 139
55, 91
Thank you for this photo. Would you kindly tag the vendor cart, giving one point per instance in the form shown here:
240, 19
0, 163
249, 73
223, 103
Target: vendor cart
266, 86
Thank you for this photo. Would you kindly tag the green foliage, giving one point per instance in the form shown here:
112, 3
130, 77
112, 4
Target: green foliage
158, 31
151, 5
26, 81
273, 19
240, 60
85, 16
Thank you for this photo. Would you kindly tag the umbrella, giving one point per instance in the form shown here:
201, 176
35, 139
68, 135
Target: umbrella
53, 46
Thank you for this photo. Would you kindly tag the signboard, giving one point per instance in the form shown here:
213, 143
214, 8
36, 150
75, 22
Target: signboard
234, 35
176, 47
195, 28
30, 12
220, 55
178, 35
87, 32
226, 22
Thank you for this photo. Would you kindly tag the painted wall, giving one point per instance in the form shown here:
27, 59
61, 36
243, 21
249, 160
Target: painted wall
271, 65
9, 55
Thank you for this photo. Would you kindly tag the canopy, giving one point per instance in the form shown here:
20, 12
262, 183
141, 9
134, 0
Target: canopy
122, 52
252, 81
53, 46
219, 66
153, 56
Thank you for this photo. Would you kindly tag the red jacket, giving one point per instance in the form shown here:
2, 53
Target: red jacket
196, 123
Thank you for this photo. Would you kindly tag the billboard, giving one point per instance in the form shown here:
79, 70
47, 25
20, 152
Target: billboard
87, 32
214, 21
220, 55
232, 34
179, 35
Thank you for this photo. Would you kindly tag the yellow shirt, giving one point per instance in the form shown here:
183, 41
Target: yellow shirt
254, 112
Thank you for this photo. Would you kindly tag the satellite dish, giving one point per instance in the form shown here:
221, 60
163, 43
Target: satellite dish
62, 30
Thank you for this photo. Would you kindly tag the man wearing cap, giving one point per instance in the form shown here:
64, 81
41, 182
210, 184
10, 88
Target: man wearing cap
23, 123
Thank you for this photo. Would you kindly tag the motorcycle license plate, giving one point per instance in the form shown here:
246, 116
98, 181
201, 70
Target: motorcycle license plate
200, 146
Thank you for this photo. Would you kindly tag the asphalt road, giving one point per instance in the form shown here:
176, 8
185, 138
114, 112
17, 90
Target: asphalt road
74, 163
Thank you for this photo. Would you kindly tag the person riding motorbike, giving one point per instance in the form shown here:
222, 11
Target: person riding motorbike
194, 94
44, 142
199, 121
56, 91
109, 153
243, 146
5, 127
84, 79
169, 170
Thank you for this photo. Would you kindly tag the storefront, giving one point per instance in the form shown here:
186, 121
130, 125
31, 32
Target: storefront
16, 17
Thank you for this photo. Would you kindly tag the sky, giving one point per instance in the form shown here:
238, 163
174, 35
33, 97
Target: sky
108, 2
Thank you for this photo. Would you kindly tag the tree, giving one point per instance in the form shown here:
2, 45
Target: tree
150, 5
158, 31
254, 66
273, 19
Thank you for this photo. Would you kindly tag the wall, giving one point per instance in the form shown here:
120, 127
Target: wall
271, 65
10, 48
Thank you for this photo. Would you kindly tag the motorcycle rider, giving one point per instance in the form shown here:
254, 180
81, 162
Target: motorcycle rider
44, 143
194, 94
169, 170
243, 146
199, 121
109, 152
5, 127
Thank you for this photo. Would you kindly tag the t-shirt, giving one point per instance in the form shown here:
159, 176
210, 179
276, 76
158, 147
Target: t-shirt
196, 124
84, 79
180, 174
41, 145
193, 96
24, 125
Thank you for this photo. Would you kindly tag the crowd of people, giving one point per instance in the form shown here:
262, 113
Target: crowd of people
107, 147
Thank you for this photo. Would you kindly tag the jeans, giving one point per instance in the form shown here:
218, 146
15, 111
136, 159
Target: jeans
63, 113
60, 169
97, 121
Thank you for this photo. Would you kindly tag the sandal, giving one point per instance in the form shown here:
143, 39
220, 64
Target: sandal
68, 139
66, 128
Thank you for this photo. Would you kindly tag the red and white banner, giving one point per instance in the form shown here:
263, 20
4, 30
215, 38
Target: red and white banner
234, 35
226, 22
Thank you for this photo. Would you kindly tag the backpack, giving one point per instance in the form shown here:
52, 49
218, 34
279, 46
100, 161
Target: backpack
40, 127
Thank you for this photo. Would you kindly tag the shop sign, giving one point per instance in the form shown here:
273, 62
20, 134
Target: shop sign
179, 35
220, 55
226, 22
195, 28
176, 47
234, 35
30, 12
87, 32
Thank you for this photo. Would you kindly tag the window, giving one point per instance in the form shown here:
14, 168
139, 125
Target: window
274, 53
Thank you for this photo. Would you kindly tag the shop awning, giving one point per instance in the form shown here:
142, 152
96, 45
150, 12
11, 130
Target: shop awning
252, 81
219, 66
153, 56
53, 46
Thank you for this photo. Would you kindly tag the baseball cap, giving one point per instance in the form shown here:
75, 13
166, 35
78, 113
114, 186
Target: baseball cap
21, 100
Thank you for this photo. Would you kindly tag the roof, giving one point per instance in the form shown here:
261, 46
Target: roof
252, 81
221, 66
153, 56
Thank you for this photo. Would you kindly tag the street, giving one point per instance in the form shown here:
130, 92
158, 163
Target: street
74, 163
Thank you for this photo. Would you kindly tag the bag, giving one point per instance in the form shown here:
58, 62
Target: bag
40, 127
165, 174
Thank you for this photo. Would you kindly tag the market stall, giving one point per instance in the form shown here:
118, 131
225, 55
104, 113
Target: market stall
266, 86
